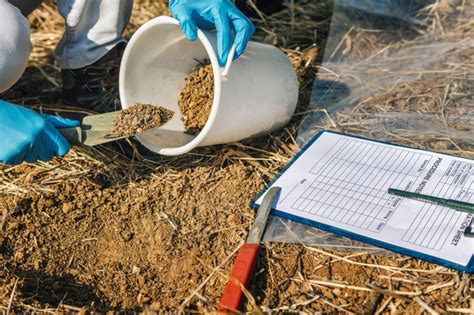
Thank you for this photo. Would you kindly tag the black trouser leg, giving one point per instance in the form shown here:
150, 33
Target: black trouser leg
26, 6
266, 6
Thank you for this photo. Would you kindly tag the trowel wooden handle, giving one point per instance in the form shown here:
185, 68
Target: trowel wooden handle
73, 135
241, 274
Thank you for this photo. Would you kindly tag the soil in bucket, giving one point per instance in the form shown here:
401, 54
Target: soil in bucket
196, 97
139, 118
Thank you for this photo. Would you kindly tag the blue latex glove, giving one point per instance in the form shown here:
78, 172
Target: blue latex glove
28, 136
222, 15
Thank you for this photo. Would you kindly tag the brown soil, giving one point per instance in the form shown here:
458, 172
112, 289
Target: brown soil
99, 231
195, 98
139, 118
122, 246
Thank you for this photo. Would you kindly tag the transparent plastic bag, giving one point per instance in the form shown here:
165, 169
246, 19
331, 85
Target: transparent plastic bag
399, 71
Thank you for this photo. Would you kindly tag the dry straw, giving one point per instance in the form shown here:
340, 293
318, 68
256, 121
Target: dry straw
290, 277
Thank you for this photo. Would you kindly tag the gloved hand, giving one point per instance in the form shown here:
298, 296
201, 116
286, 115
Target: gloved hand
222, 15
28, 136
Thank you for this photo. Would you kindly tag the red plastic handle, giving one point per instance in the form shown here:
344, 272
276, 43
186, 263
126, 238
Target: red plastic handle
242, 271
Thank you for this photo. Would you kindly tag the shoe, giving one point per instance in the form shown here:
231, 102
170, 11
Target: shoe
94, 87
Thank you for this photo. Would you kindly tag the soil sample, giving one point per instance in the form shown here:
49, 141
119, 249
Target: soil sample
195, 99
139, 118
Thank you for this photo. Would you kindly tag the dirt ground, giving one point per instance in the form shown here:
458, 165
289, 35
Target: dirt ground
101, 232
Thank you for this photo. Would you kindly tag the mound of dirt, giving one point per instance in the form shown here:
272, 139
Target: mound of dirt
148, 242
139, 118
195, 99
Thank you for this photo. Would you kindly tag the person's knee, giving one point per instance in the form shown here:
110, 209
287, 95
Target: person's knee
15, 45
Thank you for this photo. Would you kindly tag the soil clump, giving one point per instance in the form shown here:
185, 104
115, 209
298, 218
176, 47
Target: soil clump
196, 97
139, 118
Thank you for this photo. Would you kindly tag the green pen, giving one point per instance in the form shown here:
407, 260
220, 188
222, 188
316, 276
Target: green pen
450, 203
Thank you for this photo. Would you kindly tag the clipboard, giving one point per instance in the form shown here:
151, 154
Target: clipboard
339, 183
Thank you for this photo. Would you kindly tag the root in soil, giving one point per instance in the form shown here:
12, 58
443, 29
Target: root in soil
139, 118
195, 99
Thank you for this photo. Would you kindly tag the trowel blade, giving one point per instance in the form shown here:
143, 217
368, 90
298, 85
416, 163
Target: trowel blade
96, 129
258, 227
99, 129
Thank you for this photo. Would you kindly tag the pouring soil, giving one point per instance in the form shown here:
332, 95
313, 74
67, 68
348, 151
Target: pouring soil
195, 99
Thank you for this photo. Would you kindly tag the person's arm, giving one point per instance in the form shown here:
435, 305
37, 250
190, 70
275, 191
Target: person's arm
221, 15
28, 136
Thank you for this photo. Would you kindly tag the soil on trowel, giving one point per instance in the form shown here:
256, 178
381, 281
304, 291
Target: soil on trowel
139, 118
195, 99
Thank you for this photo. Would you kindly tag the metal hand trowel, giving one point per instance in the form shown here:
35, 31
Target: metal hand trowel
94, 130
99, 129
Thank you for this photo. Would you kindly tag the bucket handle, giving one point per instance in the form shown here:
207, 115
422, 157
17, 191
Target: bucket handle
225, 70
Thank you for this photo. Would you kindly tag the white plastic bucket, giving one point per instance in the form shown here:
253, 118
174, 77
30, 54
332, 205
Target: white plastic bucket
257, 96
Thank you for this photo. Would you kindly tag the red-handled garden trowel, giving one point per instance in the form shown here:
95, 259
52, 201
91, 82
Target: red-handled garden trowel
246, 260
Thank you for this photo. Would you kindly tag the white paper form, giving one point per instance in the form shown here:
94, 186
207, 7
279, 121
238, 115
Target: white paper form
342, 181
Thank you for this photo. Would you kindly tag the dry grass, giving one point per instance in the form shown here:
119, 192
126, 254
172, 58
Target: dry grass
416, 91
290, 277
